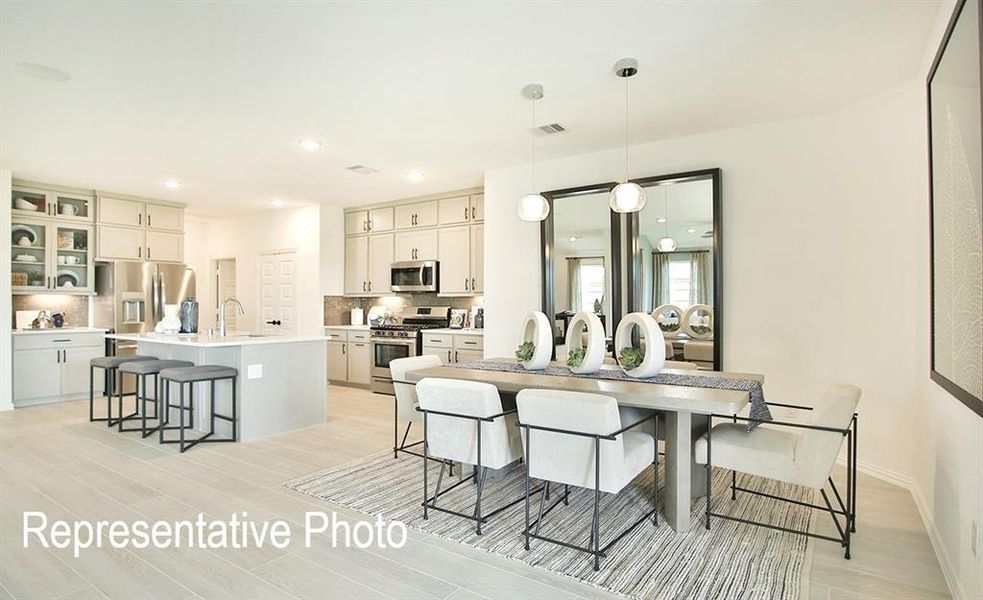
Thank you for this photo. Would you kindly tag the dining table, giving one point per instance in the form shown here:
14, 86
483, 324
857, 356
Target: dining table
685, 409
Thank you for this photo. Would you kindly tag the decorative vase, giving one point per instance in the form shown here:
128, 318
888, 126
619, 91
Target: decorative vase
171, 323
536, 329
694, 311
664, 316
585, 325
655, 348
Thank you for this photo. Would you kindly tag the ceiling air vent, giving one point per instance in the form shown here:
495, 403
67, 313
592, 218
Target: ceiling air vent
362, 169
545, 130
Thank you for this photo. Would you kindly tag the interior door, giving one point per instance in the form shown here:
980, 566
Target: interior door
278, 292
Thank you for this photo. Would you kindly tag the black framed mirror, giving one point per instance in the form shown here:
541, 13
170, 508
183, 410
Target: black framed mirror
581, 258
675, 271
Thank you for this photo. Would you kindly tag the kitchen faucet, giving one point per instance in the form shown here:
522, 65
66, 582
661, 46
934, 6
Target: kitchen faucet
221, 313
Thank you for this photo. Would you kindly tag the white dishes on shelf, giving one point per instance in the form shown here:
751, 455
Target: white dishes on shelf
698, 322
66, 279
24, 204
655, 352
26, 258
22, 235
586, 331
536, 329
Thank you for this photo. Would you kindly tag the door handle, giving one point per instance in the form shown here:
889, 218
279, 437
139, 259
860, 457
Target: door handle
473, 288
365, 225
465, 213
370, 286
363, 287
472, 214
274, 322
343, 348
140, 219
370, 224
448, 357
139, 251
148, 220
148, 252
466, 284
455, 356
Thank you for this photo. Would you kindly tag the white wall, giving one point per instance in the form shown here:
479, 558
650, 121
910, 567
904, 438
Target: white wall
825, 280
6, 307
245, 238
332, 250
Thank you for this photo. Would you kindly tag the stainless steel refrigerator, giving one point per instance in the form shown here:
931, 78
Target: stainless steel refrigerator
130, 297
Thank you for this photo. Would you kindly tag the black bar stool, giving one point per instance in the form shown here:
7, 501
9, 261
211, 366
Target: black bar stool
191, 376
109, 364
141, 369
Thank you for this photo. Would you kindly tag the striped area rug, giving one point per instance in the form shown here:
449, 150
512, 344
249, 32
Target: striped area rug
732, 560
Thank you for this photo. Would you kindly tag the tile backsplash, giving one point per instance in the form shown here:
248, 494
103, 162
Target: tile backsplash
75, 308
337, 309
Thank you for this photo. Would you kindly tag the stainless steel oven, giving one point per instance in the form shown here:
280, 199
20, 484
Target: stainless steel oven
384, 350
415, 276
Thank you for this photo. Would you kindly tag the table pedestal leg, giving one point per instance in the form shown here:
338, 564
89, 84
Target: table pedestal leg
685, 480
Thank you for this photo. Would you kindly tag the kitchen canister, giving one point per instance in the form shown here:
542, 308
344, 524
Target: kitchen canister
358, 316
189, 316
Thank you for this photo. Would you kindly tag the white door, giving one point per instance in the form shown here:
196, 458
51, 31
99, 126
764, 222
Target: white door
278, 292
455, 260
405, 244
165, 247
225, 284
165, 217
380, 263
121, 243
356, 265
477, 258
114, 211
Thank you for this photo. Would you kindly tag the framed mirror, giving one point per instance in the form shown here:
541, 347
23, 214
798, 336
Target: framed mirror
581, 259
675, 271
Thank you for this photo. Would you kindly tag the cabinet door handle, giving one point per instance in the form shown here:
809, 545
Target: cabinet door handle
364, 289
448, 357
148, 252
140, 219
465, 213
343, 348
473, 288
370, 224
148, 220
370, 286
472, 214
466, 284
139, 251
455, 356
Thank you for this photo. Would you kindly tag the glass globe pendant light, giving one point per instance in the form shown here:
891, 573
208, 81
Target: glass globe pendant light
668, 243
626, 197
533, 206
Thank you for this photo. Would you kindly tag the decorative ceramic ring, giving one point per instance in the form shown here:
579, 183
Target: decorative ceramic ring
655, 349
536, 329
589, 323
668, 327
695, 310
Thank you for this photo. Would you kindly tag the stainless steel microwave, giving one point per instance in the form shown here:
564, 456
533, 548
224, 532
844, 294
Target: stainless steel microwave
415, 276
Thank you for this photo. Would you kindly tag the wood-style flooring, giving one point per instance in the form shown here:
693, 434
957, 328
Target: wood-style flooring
52, 459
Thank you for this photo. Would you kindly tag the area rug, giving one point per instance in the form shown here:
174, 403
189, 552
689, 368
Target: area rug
732, 560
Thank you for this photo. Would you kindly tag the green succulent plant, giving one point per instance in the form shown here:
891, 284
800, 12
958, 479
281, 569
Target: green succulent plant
576, 357
668, 326
631, 357
700, 329
525, 351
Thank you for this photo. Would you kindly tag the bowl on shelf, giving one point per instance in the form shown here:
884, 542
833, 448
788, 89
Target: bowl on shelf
26, 258
24, 204
22, 235
66, 279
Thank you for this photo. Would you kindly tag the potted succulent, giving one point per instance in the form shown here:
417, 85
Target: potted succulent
575, 358
585, 343
631, 357
635, 361
535, 349
525, 351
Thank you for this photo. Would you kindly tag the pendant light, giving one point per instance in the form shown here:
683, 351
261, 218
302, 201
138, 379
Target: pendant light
668, 243
532, 206
626, 197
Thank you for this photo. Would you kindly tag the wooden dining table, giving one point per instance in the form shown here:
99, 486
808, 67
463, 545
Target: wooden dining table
686, 410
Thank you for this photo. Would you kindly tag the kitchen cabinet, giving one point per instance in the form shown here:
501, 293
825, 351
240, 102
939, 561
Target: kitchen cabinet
337, 360
376, 220
368, 264
356, 222
35, 200
349, 355
168, 218
416, 245
359, 362
164, 246
117, 211
461, 209
454, 346
416, 215
54, 366
356, 265
461, 255
380, 263
120, 243
51, 256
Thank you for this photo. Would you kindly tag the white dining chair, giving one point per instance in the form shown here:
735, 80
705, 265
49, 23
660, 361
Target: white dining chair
801, 453
578, 439
463, 421
405, 402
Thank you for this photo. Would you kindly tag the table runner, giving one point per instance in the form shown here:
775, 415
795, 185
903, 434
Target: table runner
759, 409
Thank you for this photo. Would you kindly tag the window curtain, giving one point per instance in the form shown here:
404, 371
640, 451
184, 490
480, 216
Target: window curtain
573, 283
702, 285
660, 278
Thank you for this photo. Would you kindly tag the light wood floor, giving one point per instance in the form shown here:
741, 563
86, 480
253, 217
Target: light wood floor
52, 459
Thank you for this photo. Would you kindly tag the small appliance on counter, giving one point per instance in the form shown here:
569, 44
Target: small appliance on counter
189, 315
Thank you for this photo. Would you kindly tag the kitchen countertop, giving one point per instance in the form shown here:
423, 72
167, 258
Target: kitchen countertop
200, 340
351, 327
61, 330
456, 331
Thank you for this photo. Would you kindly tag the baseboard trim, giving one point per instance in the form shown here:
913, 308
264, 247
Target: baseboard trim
906, 482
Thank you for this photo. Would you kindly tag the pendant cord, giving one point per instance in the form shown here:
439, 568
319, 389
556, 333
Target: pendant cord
534, 146
626, 129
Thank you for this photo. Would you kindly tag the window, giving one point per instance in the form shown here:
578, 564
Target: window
591, 287
681, 283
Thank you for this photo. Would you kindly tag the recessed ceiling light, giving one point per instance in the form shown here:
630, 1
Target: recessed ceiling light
415, 175
573, 238
690, 230
276, 202
43, 72
310, 145
660, 220
172, 184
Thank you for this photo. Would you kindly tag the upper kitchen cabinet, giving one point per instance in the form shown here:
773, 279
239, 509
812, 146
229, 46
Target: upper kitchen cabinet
63, 204
51, 256
138, 229
167, 218
477, 247
116, 211
357, 265
461, 252
461, 209
376, 220
165, 246
368, 262
416, 245
418, 214
121, 243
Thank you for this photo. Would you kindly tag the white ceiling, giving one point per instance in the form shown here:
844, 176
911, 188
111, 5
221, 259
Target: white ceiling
217, 94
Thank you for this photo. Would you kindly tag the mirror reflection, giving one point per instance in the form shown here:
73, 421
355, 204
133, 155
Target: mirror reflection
675, 265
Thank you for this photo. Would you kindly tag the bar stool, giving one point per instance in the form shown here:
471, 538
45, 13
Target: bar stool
110, 365
140, 369
191, 376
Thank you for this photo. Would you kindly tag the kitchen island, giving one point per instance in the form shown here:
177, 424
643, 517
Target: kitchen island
282, 382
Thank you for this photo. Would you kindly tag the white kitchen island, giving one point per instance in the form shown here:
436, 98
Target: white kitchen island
282, 382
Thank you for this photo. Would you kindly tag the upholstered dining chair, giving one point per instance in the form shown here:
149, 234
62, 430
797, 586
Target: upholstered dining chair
463, 421
405, 402
577, 439
800, 453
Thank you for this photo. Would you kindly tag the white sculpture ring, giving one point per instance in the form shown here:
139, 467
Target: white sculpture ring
695, 310
589, 323
669, 308
536, 329
655, 348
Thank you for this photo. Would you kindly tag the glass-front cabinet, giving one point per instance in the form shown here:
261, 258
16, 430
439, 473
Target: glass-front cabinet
51, 255
30, 200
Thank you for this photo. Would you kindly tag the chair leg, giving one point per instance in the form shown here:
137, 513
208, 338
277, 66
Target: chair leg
853, 492
709, 470
395, 427
235, 419
480, 476
597, 504
542, 502
92, 393
425, 461
526, 530
655, 475
566, 495
182, 426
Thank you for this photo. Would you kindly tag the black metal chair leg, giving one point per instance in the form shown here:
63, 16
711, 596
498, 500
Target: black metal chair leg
425, 465
92, 393
181, 427
597, 504
709, 470
526, 530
